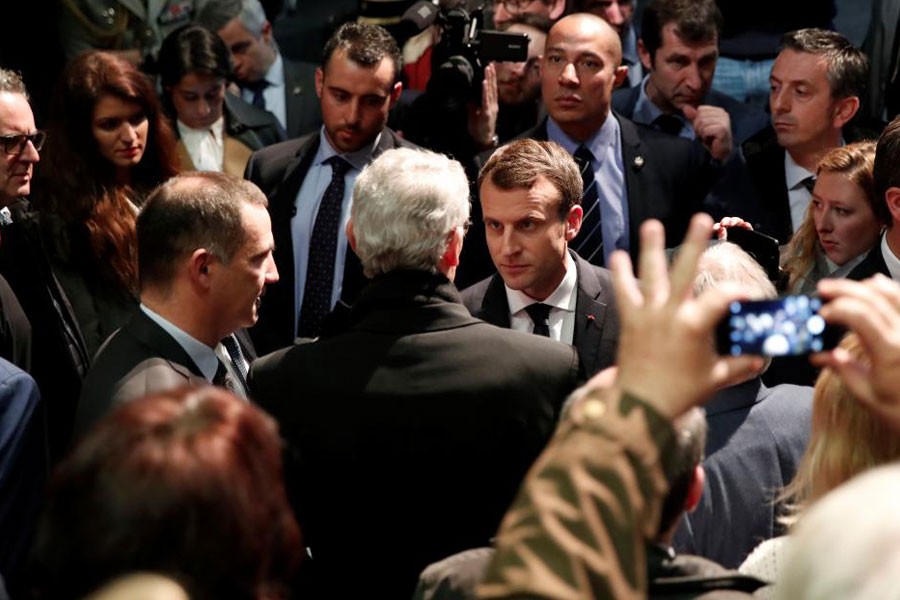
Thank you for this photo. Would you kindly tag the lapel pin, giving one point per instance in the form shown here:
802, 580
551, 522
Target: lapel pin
638, 161
590, 317
297, 90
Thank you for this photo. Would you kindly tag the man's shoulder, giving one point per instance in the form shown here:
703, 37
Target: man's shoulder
474, 294
624, 100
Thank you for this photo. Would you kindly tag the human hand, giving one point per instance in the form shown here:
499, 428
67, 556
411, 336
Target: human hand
712, 126
483, 119
667, 355
721, 228
870, 308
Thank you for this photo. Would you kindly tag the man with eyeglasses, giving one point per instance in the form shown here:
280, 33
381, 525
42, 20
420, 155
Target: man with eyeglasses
23, 413
58, 358
504, 10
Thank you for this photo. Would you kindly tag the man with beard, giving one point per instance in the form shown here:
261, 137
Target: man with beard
309, 181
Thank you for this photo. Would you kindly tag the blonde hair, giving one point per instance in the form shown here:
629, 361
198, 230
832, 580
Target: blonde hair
854, 161
846, 440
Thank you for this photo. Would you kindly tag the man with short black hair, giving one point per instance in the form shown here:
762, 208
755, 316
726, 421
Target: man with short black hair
309, 180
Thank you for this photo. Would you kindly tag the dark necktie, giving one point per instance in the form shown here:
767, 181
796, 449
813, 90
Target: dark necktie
589, 241
668, 123
257, 87
539, 314
233, 348
809, 183
322, 252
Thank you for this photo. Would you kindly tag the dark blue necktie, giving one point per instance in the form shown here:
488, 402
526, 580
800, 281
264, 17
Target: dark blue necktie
322, 253
589, 241
257, 87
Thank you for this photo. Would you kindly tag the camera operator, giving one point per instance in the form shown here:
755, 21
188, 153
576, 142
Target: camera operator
457, 112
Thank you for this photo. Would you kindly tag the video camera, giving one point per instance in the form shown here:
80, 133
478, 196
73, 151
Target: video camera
459, 58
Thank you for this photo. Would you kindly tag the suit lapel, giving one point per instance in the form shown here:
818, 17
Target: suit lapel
590, 315
145, 330
765, 163
494, 306
633, 164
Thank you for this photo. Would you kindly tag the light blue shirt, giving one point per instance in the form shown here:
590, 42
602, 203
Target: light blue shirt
307, 203
203, 356
609, 173
646, 112
274, 94
630, 56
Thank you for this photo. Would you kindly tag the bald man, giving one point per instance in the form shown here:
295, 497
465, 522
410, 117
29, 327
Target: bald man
637, 173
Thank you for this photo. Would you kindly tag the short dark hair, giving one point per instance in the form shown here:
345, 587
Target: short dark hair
365, 44
886, 171
518, 165
190, 49
847, 67
535, 20
196, 209
690, 443
695, 21
187, 483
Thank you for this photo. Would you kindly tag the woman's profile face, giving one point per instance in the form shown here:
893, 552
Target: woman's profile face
844, 220
198, 100
120, 128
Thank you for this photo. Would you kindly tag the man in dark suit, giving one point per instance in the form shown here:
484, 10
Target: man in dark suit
884, 257
530, 194
816, 83
204, 257
268, 80
637, 173
757, 436
45, 339
679, 48
357, 86
414, 426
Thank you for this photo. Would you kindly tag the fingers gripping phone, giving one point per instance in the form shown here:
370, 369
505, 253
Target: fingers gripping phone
785, 326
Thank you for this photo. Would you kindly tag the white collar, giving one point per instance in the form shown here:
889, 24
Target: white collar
563, 297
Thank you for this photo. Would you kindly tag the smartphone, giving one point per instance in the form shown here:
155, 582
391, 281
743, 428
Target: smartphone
763, 248
786, 326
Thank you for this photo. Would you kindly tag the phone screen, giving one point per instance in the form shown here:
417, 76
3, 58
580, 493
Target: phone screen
785, 326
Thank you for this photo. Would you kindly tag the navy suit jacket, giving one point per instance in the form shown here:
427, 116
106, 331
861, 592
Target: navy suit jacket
279, 171
745, 119
596, 334
756, 438
871, 265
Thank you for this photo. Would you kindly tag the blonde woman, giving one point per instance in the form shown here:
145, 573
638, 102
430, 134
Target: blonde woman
841, 224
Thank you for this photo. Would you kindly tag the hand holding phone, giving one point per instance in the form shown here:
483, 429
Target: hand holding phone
785, 326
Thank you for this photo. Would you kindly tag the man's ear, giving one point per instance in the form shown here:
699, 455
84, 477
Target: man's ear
395, 93
695, 489
266, 33
320, 78
450, 258
573, 222
559, 7
644, 55
844, 110
351, 238
200, 266
892, 199
621, 74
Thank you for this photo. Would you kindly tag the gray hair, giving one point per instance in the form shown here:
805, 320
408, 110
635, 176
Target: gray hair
727, 262
405, 204
11, 82
251, 14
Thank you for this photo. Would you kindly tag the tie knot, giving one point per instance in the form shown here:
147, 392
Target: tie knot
539, 313
669, 124
257, 86
339, 166
809, 183
583, 157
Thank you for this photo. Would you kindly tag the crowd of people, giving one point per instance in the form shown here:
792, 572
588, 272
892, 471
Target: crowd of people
404, 322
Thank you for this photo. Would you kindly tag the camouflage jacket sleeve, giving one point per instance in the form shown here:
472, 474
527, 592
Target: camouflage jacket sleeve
578, 526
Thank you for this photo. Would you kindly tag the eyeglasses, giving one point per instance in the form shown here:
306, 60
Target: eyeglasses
514, 6
15, 144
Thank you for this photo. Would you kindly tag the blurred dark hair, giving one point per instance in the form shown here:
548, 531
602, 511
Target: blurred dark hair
192, 49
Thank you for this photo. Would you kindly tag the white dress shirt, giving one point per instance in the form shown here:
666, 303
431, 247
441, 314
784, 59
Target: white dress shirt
206, 147
561, 302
